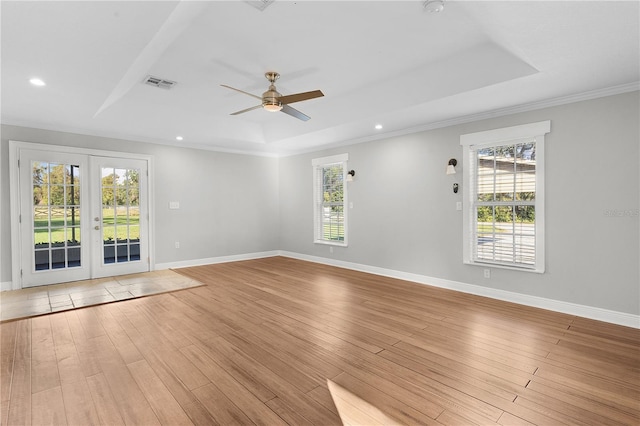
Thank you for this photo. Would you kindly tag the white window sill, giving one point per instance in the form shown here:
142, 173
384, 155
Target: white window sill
331, 243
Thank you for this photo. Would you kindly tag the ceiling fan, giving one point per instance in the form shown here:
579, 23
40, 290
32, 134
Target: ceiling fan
274, 101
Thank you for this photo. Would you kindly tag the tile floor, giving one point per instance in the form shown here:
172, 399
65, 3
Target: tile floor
61, 297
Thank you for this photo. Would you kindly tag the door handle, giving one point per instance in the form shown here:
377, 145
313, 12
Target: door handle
96, 227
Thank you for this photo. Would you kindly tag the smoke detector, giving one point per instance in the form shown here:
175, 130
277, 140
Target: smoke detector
433, 6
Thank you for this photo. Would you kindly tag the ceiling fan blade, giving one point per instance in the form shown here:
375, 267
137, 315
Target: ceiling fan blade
294, 113
297, 97
241, 91
247, 110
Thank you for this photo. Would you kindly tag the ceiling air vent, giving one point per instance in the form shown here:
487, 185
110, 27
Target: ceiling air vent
159, 82
261, 5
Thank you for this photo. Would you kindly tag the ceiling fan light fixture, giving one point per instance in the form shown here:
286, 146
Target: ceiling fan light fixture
433, 6
275, 107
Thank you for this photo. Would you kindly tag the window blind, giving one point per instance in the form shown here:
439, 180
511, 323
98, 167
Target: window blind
504, 183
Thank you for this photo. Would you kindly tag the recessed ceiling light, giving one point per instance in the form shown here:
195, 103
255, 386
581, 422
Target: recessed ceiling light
37, 82
179, 138
378, 126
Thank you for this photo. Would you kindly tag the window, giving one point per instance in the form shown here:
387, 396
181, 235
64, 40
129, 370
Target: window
330, 198
504, 192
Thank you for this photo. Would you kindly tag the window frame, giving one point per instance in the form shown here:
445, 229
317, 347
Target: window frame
318, 198
473, 142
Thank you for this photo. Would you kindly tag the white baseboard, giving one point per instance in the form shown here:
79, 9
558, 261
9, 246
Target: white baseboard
614, 317
213, 260
6, 285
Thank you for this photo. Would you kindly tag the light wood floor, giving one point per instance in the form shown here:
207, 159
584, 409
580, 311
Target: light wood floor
258, 343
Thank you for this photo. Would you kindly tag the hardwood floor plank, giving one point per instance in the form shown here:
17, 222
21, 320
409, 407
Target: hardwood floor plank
242, 368
47, 407
449, 372
607, 413
118, 336
187, 400
504, 324
605, 330
19, 411
470, 361
90, 323
322, 395
623, 368
279, 384
68, 364
494, 339
60, 330
180, 366
88, 352
250, 405
20, 403
450, 418
221, 408
44, 368
508, 419
8, 336
605, 343
166, 408
104, 402
4, 411
483, 352
563, 415
79, 406
131, 402
287, 413
608, 392
297, 318
421, 392
291, 374
383, 402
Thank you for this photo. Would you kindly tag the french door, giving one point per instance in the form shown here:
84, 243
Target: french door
81, 216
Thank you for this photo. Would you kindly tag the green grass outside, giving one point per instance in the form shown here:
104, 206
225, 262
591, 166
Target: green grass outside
118, 231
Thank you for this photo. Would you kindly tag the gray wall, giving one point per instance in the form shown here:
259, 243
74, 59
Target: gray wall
228, 202
404, 217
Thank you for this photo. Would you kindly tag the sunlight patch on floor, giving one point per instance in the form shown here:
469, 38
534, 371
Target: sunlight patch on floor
353, 410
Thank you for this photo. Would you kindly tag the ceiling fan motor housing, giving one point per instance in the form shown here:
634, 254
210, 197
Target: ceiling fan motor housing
270, 100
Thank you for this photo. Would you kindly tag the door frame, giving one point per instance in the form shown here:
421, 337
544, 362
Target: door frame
15, 197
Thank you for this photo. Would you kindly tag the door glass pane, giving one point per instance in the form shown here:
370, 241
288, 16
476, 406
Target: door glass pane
42, 260
56, 215
120, 215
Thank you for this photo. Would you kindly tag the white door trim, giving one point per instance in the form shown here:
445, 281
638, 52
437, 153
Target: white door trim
15, 196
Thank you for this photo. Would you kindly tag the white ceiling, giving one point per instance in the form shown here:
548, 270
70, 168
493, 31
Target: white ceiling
387, 62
